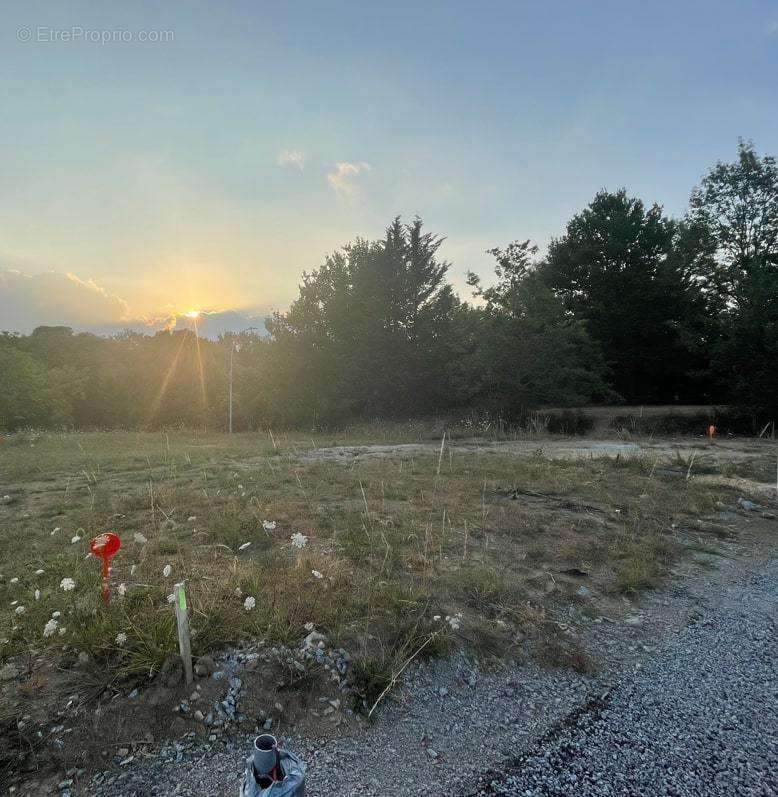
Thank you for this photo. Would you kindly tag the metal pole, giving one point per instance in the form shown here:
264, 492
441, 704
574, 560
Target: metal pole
232, 350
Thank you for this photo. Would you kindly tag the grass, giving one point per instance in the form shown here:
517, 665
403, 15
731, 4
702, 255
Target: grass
398, 542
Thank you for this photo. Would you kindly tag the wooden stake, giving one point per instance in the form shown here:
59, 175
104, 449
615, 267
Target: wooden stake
182, 620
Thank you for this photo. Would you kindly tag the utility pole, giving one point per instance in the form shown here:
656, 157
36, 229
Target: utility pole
232, 352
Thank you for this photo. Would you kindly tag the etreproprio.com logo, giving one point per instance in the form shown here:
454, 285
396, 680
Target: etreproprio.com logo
44, 35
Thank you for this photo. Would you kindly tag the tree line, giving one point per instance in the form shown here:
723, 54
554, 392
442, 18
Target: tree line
627, 305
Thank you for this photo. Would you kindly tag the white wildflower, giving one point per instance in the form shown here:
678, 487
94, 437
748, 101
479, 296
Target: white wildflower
299, 540
133, 569
166, 571
122, 589
50, 628
74, 539
436, 618
37, 594
309, 626
20, 610
244, 546
316, 574
56, 614
121, 638
62, 631
67, 584
14, 580
454, 621
171, 598
191, 518
39, 572
250, 603
269, 525
140, 538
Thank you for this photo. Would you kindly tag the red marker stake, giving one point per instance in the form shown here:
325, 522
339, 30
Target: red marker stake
105, 546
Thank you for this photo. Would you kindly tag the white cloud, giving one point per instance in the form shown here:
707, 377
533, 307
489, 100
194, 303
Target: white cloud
292, 157
772, 28
342, 179
55, 299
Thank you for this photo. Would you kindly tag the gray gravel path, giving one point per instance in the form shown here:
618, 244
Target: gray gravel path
699, 718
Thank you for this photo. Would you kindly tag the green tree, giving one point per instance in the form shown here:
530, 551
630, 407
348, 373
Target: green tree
736, 205
616, 268
532, 352
371, 329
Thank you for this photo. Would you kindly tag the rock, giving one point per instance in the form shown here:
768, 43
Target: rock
123, 752
268, 724
433, 754
748, 506
9, 672
583, 592
204, 666
314, 640
634, 620
84, 659
198, 715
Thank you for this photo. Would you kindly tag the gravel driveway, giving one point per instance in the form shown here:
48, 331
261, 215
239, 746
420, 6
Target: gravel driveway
699, 718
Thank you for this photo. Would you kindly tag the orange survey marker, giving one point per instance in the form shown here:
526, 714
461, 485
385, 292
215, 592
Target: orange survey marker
105, 546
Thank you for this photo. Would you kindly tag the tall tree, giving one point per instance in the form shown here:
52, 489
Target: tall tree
737, 206
615, 269
532, 352
369, 330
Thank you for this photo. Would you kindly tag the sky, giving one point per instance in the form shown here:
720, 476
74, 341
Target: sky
158, 158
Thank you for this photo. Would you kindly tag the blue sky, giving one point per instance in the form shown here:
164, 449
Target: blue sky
207, 171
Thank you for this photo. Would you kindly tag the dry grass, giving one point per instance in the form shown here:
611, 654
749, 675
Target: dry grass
398, 543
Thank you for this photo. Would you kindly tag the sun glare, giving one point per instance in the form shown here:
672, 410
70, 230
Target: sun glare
192, 314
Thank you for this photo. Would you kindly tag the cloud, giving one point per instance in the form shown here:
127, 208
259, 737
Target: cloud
342, 179
52, 298
56, 299
212, 323
291, 157
772, 28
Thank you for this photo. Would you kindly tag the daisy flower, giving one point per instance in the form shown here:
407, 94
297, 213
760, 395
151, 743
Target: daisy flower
20, 610
250, 603
50, 628
67, 584
299, 540
268, 525
121, 638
